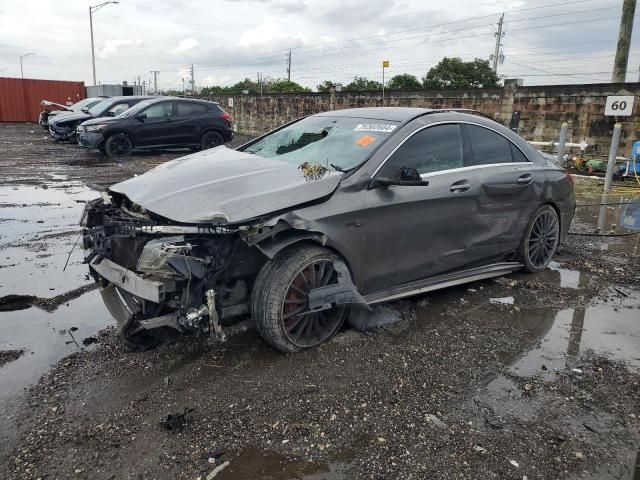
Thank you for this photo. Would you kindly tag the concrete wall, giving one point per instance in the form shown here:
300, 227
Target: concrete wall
542, 109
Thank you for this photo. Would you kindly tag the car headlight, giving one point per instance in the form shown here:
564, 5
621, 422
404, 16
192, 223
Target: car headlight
93, 128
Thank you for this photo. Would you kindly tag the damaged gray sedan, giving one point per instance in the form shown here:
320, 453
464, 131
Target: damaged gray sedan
328, 214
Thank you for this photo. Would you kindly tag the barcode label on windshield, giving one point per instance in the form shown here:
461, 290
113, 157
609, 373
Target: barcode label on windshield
374, 127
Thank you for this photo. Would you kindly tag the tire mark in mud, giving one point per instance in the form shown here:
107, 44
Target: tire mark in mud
10, 303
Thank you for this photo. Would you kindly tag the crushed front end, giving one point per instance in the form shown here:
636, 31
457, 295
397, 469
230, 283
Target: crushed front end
154, 273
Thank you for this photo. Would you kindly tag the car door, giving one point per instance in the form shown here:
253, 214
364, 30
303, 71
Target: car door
188, 118
509, 188
429, 225
156, 127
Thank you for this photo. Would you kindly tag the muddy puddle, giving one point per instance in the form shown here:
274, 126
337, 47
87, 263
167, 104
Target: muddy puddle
257, 463
38, 228
617, 217
46, 337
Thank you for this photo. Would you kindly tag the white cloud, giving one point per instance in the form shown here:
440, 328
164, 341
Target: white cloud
111, 47
263, 33
185, 45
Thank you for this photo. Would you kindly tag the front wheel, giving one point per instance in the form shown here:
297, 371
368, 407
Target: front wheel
118, 145
541, 238
210, 140
280, 299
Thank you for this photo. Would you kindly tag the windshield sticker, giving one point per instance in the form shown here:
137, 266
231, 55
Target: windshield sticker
365, 140
374, 127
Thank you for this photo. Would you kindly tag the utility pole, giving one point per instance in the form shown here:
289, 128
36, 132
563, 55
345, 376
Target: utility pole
95, 8
155, 80
496, 52
624, 42
193, 83
21, 57
289, 67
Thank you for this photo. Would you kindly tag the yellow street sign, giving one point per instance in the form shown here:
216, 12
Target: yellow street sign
385, 64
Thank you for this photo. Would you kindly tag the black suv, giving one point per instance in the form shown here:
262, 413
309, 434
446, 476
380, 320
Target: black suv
159, 123
63, 126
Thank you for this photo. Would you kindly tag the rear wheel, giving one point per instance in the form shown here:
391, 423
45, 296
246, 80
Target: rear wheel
123, 307
118, 145
280, 300
210, 140
541, 239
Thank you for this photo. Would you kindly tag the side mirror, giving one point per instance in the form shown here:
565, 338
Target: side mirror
111, 114
141, 116
85, 110
408, 177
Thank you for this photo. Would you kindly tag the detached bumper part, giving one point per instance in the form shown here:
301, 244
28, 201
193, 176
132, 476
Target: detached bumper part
128, 280
342, 293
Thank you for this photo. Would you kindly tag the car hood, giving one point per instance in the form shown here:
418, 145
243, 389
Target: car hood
72, 117
102, 120
221, 185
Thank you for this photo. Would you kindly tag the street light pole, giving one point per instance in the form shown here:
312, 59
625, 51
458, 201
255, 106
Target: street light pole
95, 8
21, 57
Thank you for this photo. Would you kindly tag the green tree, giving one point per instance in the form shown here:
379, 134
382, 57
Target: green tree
454, 72
287, 86
404, 81
361, 84
326, 86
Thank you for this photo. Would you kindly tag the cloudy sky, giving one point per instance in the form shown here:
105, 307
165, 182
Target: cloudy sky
545, 41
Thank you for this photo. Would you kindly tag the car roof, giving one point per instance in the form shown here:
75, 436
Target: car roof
171, 98
394, 114
130, 97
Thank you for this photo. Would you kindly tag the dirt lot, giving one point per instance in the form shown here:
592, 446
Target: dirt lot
460, 387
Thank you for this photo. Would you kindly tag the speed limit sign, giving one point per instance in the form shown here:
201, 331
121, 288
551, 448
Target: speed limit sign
619, 106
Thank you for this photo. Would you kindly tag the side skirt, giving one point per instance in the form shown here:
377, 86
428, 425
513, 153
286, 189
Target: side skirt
442, 281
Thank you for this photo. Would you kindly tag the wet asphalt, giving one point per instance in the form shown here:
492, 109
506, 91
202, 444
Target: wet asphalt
458, 386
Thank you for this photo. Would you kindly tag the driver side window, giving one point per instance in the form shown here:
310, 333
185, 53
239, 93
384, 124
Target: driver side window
118, 109
433, 149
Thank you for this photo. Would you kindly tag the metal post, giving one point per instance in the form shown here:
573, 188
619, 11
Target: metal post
496, 51
21, 71
93, 55
193, 83
562, 142
383, 84
289, 67
615, 140
624, 42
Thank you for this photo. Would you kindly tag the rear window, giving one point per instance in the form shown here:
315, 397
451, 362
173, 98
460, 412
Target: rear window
188, 108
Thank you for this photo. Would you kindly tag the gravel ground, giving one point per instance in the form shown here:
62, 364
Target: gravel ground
443, 393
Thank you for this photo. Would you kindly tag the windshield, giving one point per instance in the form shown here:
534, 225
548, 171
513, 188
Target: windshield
100, 107
86, 103
137, 108
338, 142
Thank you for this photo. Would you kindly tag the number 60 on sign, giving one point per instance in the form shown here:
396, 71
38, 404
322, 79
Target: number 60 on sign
619, 106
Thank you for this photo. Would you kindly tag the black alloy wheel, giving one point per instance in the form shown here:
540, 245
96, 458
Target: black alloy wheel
541, 239
211, 140
118, 145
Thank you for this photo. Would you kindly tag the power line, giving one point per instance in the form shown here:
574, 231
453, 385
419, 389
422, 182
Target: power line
325, 44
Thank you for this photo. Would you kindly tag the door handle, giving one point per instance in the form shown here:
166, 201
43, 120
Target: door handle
459, 187
525, 179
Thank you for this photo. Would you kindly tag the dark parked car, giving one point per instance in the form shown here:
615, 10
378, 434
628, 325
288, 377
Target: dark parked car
159, 123
52, 109
333, 212
63, 126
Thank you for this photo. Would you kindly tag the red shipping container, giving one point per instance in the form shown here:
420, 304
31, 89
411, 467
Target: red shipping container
20, 99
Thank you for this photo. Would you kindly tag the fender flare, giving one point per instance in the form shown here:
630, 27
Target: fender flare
271, 246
